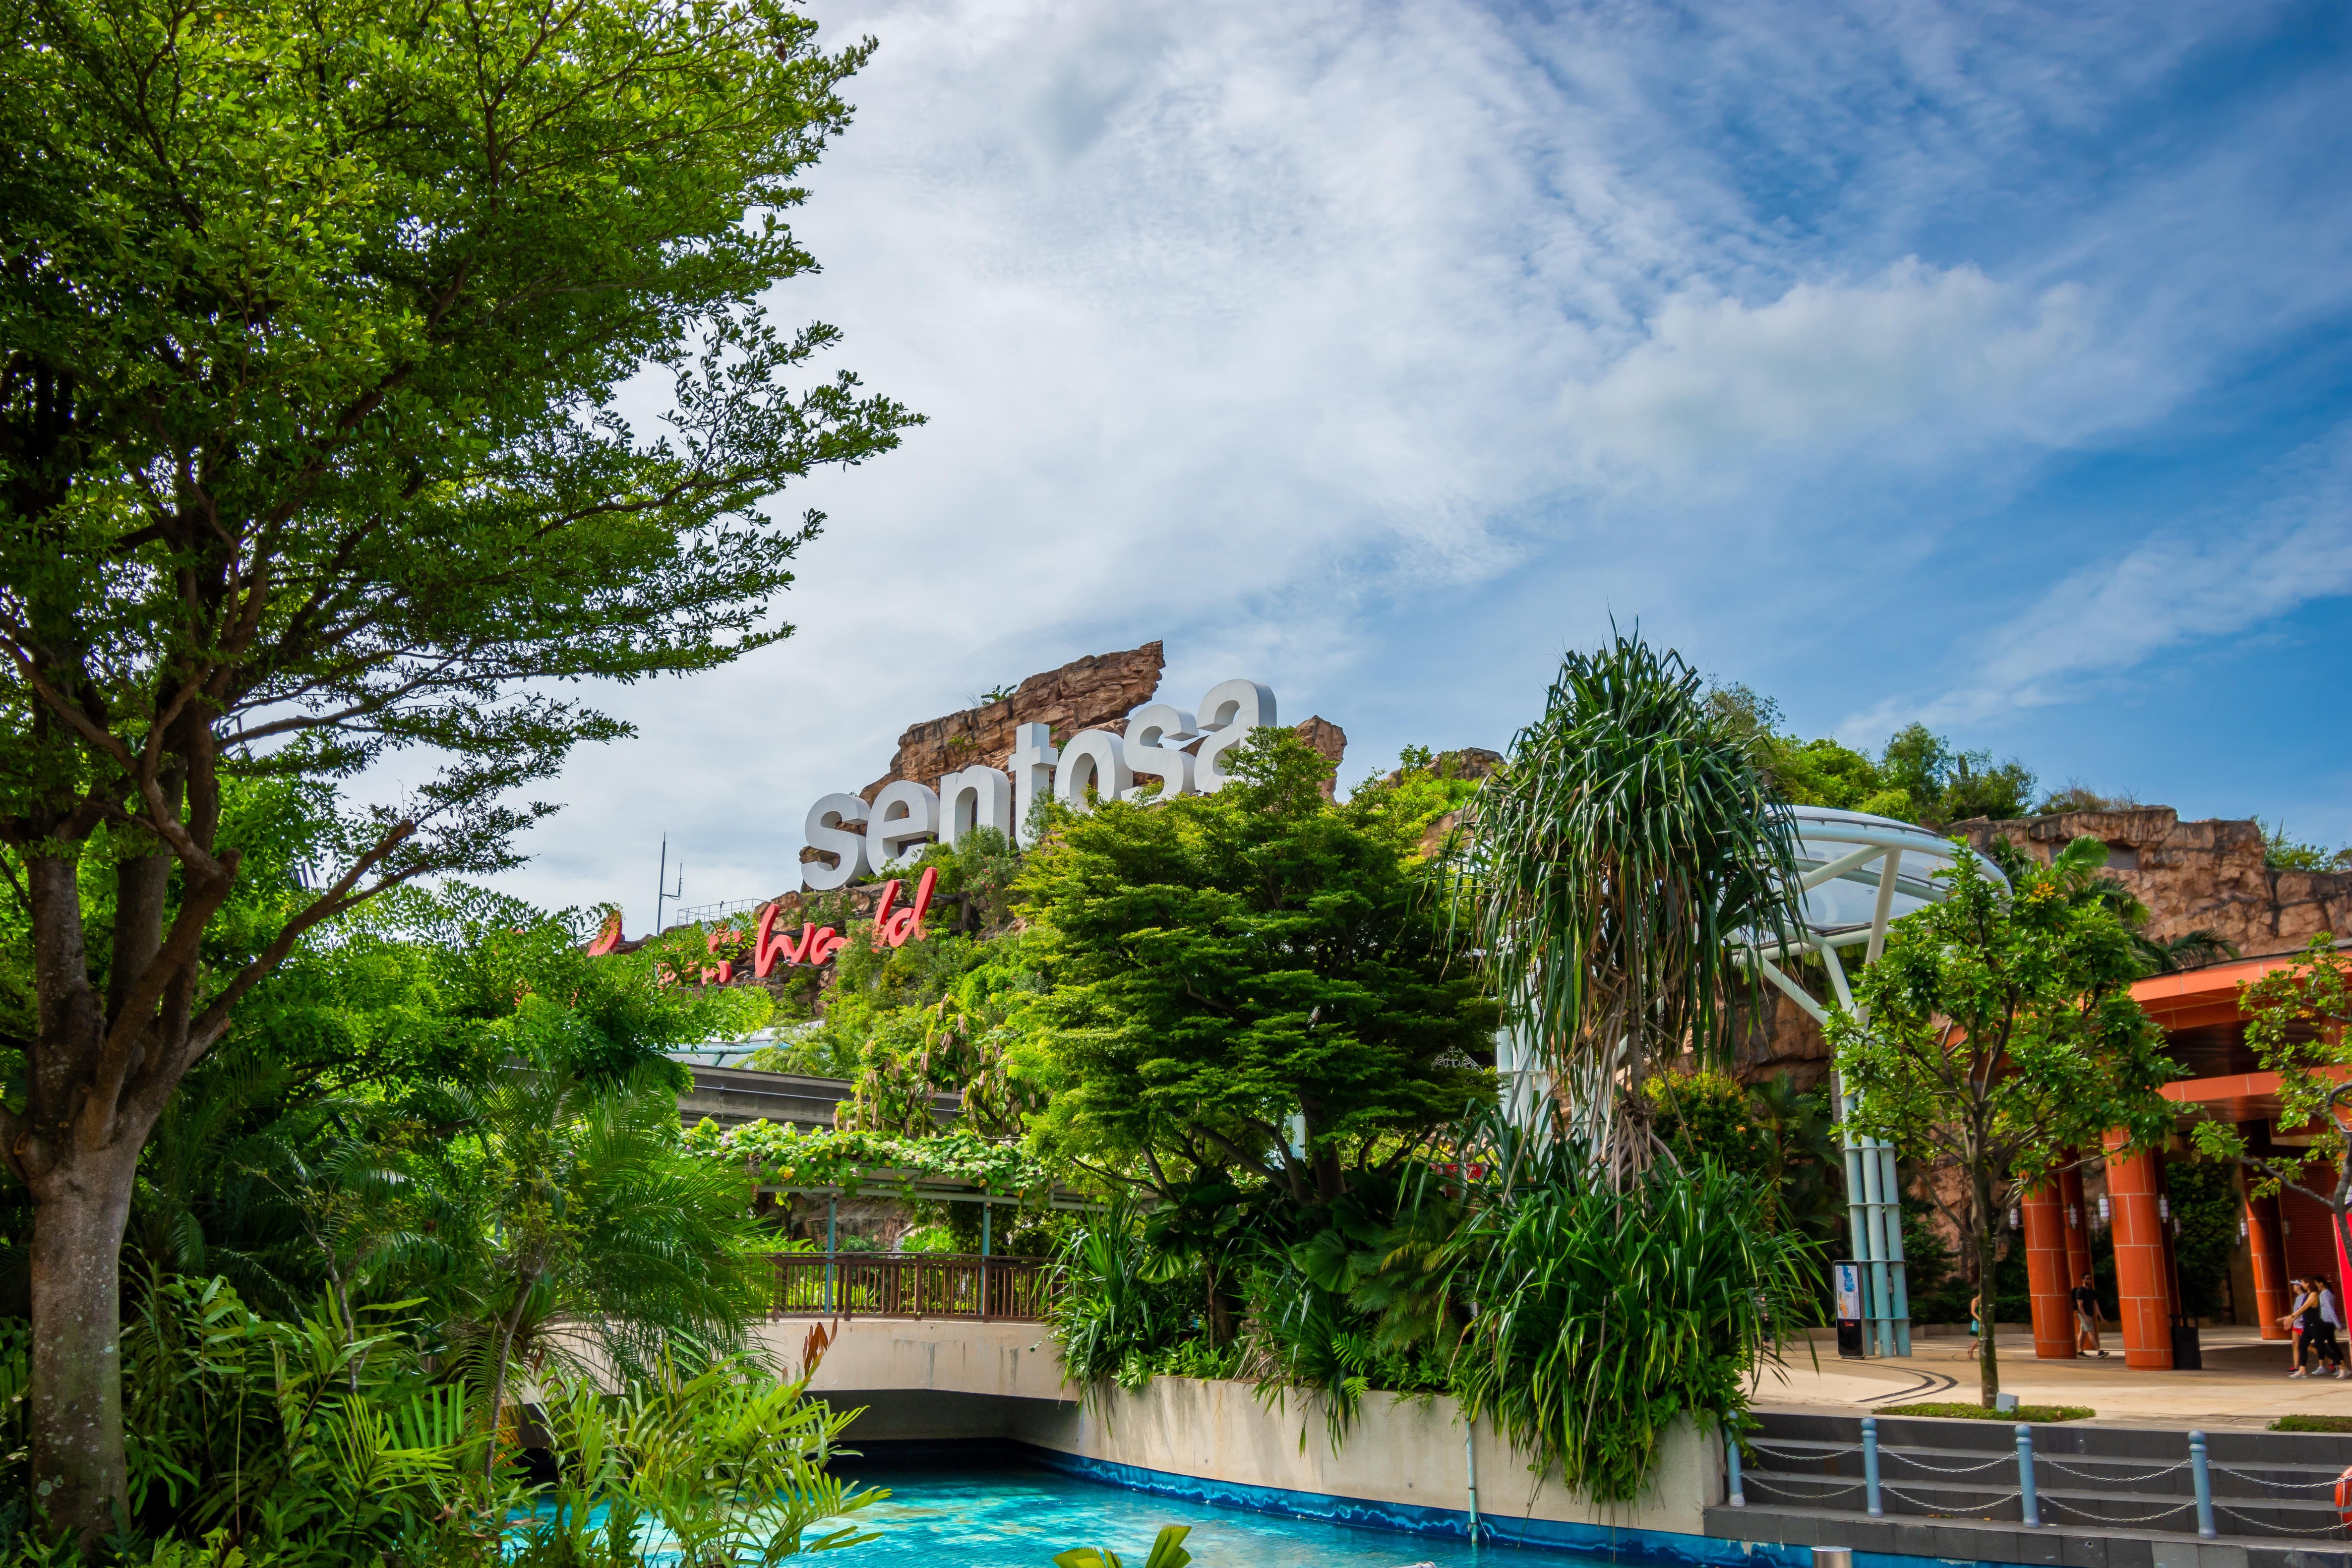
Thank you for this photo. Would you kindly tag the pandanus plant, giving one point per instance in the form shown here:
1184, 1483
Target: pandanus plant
1610, 866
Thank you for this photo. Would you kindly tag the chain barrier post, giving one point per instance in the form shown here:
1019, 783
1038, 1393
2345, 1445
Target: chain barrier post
1731, 1450
2202, 1473
1870, 1467
2025, 1476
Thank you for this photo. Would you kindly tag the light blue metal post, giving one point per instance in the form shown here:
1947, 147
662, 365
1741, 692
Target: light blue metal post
1738, 1497
1899, 1308
2025, 1476
1870, 1467
2202, 1473
832, 1247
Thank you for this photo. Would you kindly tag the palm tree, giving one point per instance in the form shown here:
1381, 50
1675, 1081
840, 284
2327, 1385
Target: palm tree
590, 1236
1611, 862
2079, 869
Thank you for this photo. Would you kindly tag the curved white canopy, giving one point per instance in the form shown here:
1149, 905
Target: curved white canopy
1846, 859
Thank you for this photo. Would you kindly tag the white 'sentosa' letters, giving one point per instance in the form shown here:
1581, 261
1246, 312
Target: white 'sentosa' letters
1163, 743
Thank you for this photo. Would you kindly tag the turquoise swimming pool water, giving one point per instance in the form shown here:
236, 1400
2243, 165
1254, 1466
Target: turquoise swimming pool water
1000, 1516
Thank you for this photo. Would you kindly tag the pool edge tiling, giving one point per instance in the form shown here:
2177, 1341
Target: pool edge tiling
1667, 1549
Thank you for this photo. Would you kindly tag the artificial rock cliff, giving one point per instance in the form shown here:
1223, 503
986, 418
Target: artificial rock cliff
2192, 875
1096, 693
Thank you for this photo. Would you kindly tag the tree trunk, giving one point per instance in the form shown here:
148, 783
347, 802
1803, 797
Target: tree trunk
74, 1412
1220, 1311
1988, 1354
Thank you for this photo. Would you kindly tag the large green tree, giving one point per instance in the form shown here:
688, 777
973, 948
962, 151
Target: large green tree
1221, 963
1997, 1030
312, 317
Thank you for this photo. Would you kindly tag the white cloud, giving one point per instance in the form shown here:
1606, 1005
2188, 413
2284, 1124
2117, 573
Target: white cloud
1246, 325
1943, 358
2213, 576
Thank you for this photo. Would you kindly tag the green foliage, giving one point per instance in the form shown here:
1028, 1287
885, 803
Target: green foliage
2281, 852
1935, 1285
1919, 777
1824, 773
776, 1154
320, 1441
1167, 1552
725, 1467
1119, 1307
2206, 1206
932, 1017
1219, 963
1604, 1317
1707, 1114
1999, 1029
2297, 1015
1426, 788
313, 318
1948, 785
1609, 868
2312, 1423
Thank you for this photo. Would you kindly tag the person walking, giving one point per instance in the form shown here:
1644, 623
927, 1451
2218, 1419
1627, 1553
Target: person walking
2303, 1320
2087, 1317
2331, 1326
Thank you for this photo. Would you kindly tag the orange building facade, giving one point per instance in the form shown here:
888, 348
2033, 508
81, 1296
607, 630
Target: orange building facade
2286, 1236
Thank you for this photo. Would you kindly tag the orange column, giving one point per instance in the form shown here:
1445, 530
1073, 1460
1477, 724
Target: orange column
2045, 1272
2143, 1285
2267, 1243
2078, 1221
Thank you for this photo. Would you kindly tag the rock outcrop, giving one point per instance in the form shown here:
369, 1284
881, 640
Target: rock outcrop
1329, 742
2192, 875
1097, 691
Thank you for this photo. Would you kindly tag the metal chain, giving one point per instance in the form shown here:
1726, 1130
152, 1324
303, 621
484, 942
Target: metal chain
1811, 1454
2266, 1481
2277, 1528
2051, 1500
1948, 1469
2040, 1459
1917, 1502
1750, 1477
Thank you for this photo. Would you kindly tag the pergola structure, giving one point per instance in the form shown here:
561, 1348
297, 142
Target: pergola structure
1857, 875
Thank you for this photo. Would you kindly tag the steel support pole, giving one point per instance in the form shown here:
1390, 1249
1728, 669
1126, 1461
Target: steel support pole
1867, 1194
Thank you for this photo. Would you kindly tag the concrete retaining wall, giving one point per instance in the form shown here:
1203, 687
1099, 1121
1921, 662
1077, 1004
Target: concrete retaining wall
964, 1380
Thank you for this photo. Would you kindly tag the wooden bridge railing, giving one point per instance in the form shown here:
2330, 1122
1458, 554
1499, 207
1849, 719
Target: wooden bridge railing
910, 1285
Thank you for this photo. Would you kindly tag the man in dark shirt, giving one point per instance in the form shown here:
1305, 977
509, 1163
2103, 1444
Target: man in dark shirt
2087, 1318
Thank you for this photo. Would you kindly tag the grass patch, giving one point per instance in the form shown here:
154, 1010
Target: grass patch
2313, 1423
1955, 1411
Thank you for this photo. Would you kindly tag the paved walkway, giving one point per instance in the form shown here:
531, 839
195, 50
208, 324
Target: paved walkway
2244, 1383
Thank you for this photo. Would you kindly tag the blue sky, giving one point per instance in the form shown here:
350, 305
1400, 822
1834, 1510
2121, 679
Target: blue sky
1982, 363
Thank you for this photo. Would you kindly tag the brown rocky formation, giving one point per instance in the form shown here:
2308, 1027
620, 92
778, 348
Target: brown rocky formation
2192, 875
1097, 691
1329, 742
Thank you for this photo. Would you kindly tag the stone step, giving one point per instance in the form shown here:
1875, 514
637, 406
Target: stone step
2056, 1546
